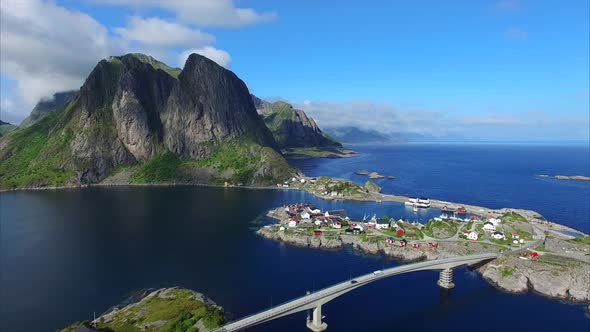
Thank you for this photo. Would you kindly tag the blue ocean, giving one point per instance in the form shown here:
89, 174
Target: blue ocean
65, 254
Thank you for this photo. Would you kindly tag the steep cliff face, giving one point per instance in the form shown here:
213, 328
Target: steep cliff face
45, 106
292, 128
132, 109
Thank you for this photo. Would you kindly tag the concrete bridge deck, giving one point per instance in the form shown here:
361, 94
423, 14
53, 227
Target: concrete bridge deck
316, 299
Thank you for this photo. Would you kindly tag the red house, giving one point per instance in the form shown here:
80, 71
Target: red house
317, 233
432, 245
400, 232
403, 243
415, 245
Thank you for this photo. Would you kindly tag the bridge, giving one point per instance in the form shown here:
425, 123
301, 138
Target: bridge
317, 299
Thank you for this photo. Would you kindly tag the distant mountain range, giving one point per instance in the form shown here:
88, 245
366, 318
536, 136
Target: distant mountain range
292, 128
359, 135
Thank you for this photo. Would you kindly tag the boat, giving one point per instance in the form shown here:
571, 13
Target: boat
421, 202
415, 208
461, 210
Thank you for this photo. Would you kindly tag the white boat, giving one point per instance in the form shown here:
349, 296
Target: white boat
418, 202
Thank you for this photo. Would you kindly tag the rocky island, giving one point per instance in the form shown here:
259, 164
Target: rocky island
166, 309
373, 175
566, 177
537, 256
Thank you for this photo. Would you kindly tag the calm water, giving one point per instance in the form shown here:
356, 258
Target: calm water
490, 175
65, 254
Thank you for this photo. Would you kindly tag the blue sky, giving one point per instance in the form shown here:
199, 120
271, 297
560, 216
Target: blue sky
501, 70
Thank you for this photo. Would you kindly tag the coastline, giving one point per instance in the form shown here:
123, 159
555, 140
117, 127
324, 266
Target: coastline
559, 272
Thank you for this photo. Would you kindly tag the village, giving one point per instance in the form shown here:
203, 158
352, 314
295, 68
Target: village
504, 232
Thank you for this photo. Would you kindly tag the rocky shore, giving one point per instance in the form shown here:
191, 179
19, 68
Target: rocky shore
562, 271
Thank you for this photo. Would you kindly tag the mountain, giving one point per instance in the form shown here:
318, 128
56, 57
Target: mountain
48, 105
292, 128
141, 121
357, 135
5, 128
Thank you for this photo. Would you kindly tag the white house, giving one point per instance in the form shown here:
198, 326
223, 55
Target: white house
302, 180
292, 223
489, 227
515, 235
382, 224
305, 215
281, 228
498, 235
317, 222
327, 214
472, 236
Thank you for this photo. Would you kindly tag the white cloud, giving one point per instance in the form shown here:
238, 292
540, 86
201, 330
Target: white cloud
516, 33
507, 6
366, 114
154, 31
46, 48
220, 56
206, 13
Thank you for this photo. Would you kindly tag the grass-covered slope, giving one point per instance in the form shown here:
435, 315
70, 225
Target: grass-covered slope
164, 310
39, 155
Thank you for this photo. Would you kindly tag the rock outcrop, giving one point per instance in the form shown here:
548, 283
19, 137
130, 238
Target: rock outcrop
292, 128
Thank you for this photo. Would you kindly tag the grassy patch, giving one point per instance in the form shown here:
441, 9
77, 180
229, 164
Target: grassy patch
179, 309
160, 169
440, 229
581, 240
506, 272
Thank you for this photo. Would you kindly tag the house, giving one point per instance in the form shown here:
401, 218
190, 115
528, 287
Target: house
293, 222
415, 245
337, 224
515, 235
472, 236
521, 241
382, 224
515, 242
498, 236
390, 241
489, 227
359, 227
474, 218
317, 222
302, 180
400, 232
432, 245
333, 194
466, 233
533, 254
305, 215
403, 243
317, 232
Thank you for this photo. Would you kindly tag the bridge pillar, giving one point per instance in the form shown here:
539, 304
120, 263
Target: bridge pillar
315, 323
445, 279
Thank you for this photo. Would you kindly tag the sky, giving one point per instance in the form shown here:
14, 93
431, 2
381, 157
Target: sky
489, 70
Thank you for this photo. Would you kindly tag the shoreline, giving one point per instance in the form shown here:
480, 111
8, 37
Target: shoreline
559, 272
